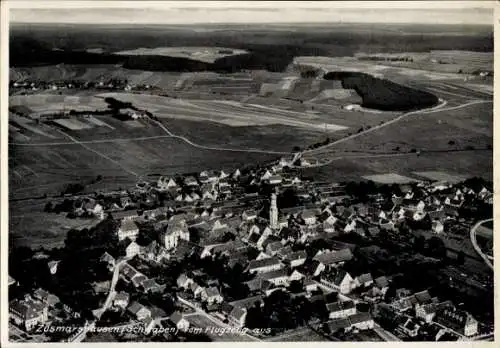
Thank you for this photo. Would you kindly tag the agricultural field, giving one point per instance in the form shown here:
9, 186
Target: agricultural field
447, 129
202, 54
36, 170
467, 164
389, 178
441, 176
30, 226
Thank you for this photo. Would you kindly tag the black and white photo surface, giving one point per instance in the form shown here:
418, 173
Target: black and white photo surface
249, 171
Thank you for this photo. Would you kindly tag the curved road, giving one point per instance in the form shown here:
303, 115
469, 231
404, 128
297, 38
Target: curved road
476, 246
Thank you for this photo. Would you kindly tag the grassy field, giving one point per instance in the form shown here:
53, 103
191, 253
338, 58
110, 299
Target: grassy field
444, 130
51, 167
30, 226
465, 164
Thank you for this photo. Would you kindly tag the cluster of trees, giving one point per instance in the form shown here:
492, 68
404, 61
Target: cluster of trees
318, 144
383, 94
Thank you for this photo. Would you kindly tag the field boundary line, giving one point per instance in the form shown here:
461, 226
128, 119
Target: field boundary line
186, 140
98, 153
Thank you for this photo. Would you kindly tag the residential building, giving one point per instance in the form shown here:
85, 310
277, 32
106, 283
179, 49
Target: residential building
237, 317
277, 277
183, 281
362, 321
265, 265
333, 258
128, 229
428, 311
179, 321
457, 320
309, 217
343, 282
174, 232
132, 249
341, 309
363, 280
28, 313
212, 295
139, 311
296, 259
121, 300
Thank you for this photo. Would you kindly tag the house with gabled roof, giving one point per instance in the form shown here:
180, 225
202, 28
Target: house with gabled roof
128, 229
382, 283
183, 281
343, 282
248, 302
179, 321
237, 317
121, 300
139, 311
150, 285
363, 280
132, 249
28, 313
428, 311
265, 265
333, 258
309, 216
408, 326
212, 295
341, 309
296, 259
362, 321
457, 321
337, 325
277, 277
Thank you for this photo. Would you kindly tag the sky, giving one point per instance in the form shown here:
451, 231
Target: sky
249, 12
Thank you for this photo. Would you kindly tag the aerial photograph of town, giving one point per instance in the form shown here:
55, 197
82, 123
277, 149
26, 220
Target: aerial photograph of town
199, 171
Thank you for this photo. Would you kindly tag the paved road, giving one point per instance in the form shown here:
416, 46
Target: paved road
476, 246
201, 312
112, 292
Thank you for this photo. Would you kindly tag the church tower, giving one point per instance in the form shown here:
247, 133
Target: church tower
273, 212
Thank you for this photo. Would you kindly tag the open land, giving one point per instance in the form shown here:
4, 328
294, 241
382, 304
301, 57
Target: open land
203, 54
